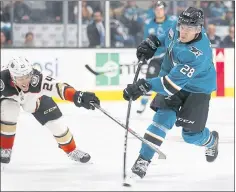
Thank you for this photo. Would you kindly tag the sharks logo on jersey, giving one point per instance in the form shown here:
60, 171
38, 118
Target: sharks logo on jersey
195, 51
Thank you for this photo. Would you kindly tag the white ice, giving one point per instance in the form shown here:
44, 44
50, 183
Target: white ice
38, 164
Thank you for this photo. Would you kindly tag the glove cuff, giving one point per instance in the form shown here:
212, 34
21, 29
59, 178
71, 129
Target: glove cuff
153, 42
78, 98
149, 86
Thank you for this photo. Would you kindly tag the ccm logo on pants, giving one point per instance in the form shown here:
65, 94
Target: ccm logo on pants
50, 110
186, 120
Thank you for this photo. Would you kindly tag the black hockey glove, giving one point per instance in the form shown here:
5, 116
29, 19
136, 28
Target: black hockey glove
148, 47
85, 99
141, 87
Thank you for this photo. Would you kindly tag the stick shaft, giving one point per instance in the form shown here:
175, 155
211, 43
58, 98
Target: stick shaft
151, 145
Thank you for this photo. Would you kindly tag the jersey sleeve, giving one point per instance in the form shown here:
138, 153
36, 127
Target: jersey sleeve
179, 75
53, 88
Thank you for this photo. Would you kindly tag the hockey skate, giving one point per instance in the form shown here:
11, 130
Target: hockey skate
79, 156
138, 171
212, 152
5, 157
140, 167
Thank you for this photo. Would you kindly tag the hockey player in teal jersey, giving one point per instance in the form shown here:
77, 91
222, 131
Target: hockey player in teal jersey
157, 26
184, 86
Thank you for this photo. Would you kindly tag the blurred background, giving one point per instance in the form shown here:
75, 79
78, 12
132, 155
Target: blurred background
121, 23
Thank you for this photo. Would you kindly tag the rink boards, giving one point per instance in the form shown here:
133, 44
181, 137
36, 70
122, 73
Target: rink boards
68, 65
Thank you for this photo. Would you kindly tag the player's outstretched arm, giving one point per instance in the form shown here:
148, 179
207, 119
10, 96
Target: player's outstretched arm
82, 99
52, 88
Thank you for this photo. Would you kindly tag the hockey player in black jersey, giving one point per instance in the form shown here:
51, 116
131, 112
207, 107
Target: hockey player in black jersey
25, 87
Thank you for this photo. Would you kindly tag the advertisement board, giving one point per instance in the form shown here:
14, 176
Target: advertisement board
68, 65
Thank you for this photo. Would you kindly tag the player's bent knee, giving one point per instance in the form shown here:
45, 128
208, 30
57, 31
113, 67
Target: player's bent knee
201, 138
62, 134
10, 110
164, 118
163, 121
57, 127
190, 137
47, 111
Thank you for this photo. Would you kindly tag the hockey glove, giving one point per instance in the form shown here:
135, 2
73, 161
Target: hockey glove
148, 47
85, 99
134, 91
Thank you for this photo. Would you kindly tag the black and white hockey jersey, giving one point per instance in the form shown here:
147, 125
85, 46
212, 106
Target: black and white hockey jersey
40, 85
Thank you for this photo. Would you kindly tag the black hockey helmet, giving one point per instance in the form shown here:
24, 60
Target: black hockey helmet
191, 16
160, 4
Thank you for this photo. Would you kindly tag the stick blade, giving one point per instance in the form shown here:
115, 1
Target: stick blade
127, 185
91, 70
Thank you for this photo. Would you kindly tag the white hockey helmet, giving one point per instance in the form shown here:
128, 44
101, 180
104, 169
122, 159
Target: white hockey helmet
19, 67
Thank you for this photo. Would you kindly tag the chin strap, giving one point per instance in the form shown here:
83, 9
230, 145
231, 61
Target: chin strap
196, 36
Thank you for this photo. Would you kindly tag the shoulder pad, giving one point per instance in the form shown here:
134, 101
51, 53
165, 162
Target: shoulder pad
5, 77
5, 87
36, 81
2, 85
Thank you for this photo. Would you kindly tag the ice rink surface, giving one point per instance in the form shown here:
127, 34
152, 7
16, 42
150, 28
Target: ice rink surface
38, 164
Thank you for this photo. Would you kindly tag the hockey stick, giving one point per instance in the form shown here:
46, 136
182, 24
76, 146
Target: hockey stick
151, 145
102, 72
140, 63
98, 73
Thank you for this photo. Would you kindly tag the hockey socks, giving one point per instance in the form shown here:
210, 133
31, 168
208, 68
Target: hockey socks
66, 141
204, 138
8, 131
156, 132
156, 135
